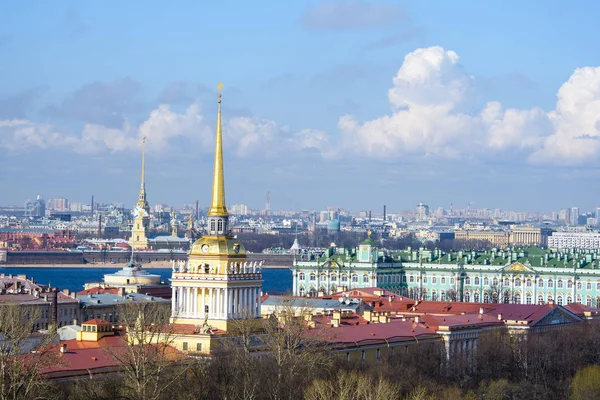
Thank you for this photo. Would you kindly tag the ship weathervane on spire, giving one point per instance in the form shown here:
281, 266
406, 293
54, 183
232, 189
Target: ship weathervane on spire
217, 206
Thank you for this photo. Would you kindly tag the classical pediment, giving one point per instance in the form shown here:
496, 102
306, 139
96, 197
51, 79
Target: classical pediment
517, 267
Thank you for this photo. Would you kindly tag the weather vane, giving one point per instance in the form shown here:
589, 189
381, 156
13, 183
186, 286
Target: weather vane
220, 86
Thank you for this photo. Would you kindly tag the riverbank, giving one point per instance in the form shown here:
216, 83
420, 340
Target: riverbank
147, 265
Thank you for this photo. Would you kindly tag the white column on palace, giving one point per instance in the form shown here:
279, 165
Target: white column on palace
210, 303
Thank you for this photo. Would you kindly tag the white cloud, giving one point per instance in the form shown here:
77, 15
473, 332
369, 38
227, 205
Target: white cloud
246, 136
432, 116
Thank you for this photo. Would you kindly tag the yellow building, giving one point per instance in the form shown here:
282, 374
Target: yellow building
498, 239
528, 236
141, 213
217, 286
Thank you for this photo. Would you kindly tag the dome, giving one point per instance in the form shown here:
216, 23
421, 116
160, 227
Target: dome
218, 246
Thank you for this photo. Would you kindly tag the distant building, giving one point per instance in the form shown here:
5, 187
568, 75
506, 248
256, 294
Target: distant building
497, 239
239, 209
574, 240
528, 236
422, 212
574, 216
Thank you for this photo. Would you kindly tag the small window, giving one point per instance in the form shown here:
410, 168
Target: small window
185, 345
486, 281
363, 355
301, 276
495, 282
312, 277
333, 278
540, 283
579, 285
452, 281
559, 285
588, 286
378, 354
411, 279
467, 281
443, 280
434, 280
354, 278
198, 346
528, 284
550, 283
424, 279
365, 278
476, 281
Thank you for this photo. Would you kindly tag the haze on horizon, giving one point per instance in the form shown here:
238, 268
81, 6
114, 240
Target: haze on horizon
348, 103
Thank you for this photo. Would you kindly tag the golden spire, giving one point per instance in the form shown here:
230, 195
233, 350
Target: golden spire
217, 205
143, 187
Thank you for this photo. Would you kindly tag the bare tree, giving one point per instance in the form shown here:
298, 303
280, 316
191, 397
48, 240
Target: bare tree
352, 386
23, 355
147, 359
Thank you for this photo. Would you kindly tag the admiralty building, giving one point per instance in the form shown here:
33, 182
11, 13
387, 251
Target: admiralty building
525, 275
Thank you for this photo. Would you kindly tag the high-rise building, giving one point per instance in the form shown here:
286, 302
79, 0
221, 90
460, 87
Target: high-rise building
239, 209
141, 213
574, 220
422, 212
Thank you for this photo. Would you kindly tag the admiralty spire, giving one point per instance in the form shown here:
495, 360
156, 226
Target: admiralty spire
217, 285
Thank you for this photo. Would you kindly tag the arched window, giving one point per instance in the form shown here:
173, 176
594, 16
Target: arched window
411, 279
212, 225
467, 281
365, 278
354, 278
486, 297
559, 300
403, 278
476, 281
578, 285
333, 289
476, 297
323, 277
301, 276
302, 292
540, 283
312, 292
486, 281
569, 284
443, 280
220, 225
588, 301
528, 299
443, 296
434, 296
506, 282
588, 286
467, 297
344, 278
559, 284
517, 282
517, 299
312, 276
569, 299
495, 282
540, 299
549, 298
578, 299
333, 278
528, 283
550, 283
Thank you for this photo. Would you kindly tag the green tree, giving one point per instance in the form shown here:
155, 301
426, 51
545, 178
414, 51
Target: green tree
586, 384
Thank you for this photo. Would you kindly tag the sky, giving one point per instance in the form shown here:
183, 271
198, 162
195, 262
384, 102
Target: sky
345, 103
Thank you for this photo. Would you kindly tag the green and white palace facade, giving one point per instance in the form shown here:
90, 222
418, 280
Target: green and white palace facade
529, 275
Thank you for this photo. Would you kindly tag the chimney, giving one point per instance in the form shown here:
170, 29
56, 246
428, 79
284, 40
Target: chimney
480, 310
417, 319
384, 213
54, 309
500, 317
63, 348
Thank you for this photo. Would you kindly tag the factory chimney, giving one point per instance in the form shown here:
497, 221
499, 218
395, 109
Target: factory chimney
54, 305
384, 213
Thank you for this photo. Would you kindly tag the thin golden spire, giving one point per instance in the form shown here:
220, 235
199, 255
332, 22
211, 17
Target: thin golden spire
143, 161
217, 206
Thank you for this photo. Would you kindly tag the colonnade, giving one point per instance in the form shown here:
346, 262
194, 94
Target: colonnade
217, 303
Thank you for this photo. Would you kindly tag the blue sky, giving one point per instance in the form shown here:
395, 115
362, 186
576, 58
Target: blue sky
348, 103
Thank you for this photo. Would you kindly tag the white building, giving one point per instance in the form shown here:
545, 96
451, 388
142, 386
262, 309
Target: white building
574, 240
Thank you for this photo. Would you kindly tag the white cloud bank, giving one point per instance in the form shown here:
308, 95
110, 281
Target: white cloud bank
430, 101
431, 115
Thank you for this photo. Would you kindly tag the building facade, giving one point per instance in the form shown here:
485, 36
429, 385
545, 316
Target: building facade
516, 276
574, 240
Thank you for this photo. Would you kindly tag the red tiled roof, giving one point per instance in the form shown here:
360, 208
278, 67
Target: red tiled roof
97, 321
99, 290
364, 333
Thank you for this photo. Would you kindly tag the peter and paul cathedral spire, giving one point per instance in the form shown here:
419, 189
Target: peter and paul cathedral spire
141, 212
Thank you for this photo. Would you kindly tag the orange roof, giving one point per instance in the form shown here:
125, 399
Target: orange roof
97, 321
99, 290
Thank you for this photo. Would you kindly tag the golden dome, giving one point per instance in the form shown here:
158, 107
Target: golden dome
219, 246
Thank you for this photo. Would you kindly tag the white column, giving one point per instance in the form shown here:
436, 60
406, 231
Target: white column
257, 305
173, 300
195, 302
210, 303
220, 301
228, 312
201, 314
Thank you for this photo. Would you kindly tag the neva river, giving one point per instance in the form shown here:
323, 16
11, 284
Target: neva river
275, 280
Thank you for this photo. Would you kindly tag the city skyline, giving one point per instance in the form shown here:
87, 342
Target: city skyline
396, 107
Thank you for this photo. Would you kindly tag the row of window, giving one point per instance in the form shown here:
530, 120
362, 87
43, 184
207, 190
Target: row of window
333, 277
186, 346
